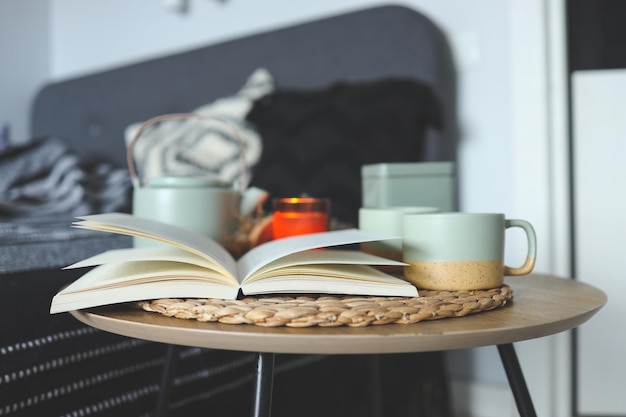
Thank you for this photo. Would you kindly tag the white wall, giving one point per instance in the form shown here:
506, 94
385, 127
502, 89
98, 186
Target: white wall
24, 60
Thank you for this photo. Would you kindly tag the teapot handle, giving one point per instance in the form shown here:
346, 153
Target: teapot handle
131, 145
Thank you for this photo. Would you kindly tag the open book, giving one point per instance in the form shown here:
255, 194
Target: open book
192, 265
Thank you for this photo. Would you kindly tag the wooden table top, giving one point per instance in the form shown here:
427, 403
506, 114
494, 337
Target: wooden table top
542, 305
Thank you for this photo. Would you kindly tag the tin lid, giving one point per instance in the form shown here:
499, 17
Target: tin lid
408, 169
186, 182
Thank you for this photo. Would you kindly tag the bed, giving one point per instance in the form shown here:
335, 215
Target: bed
44, 360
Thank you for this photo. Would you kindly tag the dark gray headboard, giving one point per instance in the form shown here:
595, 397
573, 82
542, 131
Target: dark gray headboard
90, 113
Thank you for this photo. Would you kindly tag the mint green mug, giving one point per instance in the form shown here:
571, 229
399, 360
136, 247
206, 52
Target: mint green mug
387, 220
461, 251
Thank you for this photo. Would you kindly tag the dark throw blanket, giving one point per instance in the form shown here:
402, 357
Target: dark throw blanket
315, 141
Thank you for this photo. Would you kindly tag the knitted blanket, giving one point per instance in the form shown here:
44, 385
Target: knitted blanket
44, 178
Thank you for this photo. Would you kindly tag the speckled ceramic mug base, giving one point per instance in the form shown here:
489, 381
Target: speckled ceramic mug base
454, 276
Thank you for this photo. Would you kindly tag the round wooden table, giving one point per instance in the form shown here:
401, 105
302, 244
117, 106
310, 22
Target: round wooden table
543, 305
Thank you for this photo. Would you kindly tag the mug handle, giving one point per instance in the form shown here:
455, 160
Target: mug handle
531, 238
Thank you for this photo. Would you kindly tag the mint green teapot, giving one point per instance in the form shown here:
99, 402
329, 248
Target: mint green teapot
202, 204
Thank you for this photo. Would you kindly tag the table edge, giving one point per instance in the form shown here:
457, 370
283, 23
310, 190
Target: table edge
395, 338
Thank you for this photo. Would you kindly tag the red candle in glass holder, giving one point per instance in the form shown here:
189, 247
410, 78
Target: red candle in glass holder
299, 216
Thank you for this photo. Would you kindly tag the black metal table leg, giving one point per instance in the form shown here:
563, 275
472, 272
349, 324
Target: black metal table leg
263, 384
167, 380
516, 380
375, 394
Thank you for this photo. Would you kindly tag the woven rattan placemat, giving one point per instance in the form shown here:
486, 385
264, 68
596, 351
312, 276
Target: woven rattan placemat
333, 311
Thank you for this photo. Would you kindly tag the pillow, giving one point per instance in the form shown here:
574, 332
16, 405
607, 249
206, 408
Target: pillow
194, 147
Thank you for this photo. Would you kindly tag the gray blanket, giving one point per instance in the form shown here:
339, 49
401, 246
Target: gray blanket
43, 178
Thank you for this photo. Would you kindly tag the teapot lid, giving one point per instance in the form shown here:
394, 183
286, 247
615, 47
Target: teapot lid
186, 182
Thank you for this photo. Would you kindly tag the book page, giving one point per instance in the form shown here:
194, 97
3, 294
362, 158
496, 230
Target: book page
126, 224
330, 257
184, 288
126, 273
336, 279
166, 253
275, 249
